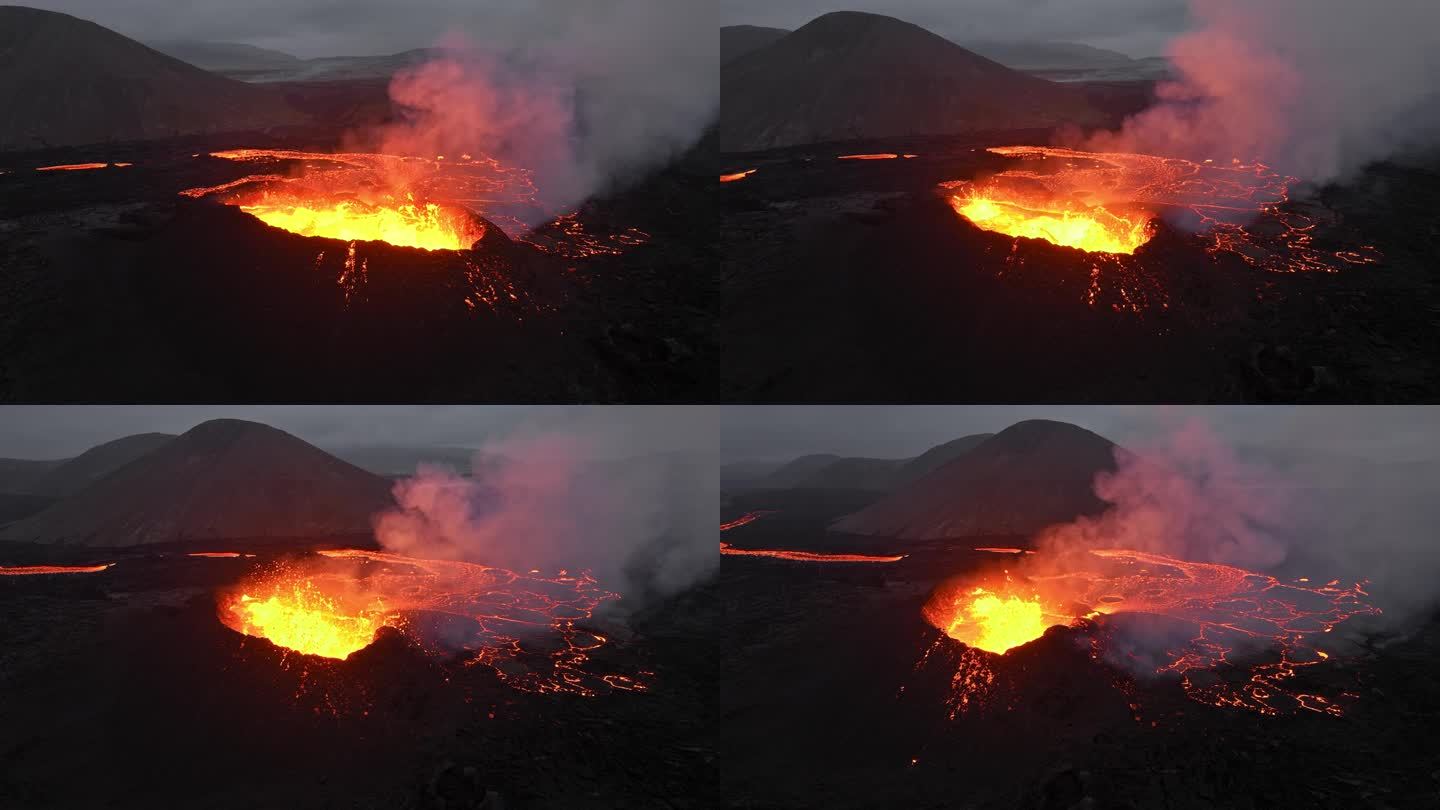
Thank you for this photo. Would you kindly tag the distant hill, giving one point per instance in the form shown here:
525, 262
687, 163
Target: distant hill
746, 473
935, 458
795, 472
18, 475
854, 473
850, 75
223, 479
738, 40
65, 81
1031, 475
1023, 55
99, 461
226, 56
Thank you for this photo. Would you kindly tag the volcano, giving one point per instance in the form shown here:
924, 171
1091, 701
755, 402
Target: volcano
66, 81
73, 475
850, 75
738, 40
1031, 475
223, 479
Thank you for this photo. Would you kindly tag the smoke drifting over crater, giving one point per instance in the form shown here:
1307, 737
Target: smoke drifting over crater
1190, 496
1315, 88
586, 96
562, 497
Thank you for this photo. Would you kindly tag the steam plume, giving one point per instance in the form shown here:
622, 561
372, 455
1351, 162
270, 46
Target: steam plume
586, 95
560, 497
1315, 88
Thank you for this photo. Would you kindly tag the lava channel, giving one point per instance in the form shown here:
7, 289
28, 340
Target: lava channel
40, 570
807, 556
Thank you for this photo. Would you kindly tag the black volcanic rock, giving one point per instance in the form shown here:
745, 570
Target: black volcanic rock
1031, 475
223, 479
66, 81
850, 75
738, 40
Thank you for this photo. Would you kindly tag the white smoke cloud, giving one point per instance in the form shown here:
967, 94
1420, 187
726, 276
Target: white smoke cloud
1316, 88
565, 494
588, 96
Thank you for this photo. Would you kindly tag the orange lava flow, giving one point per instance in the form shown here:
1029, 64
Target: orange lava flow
878, 156
34, 570
1231, 614
525, 627
731, 178
75, 167
806, 556
1005, 551
745, 519
218, 554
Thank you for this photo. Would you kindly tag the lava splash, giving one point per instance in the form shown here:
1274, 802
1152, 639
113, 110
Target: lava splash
522, 626
1231, 615
429, 226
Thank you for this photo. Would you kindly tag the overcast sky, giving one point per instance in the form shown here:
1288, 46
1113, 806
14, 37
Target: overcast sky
48, 432
894, 431
310, 28
1136, 27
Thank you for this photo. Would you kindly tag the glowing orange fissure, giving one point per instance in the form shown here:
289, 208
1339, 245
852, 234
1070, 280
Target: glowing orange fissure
731, 178
807, 556
36, 570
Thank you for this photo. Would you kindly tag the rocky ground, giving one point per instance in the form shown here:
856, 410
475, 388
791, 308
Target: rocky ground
123, 690
113, 288
853, 281
829, 703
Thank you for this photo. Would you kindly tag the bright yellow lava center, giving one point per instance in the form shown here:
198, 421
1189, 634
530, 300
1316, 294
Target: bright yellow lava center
1094, 229
307, 621
425, 225
996, 623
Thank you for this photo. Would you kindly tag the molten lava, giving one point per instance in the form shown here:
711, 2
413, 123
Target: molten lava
35, 570
297, 615
1230, 612
1107, 203
1092, 229
522, 626
877, 156
731, 178
806, 556
745, 519
79, 167
404, 200
408, 224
